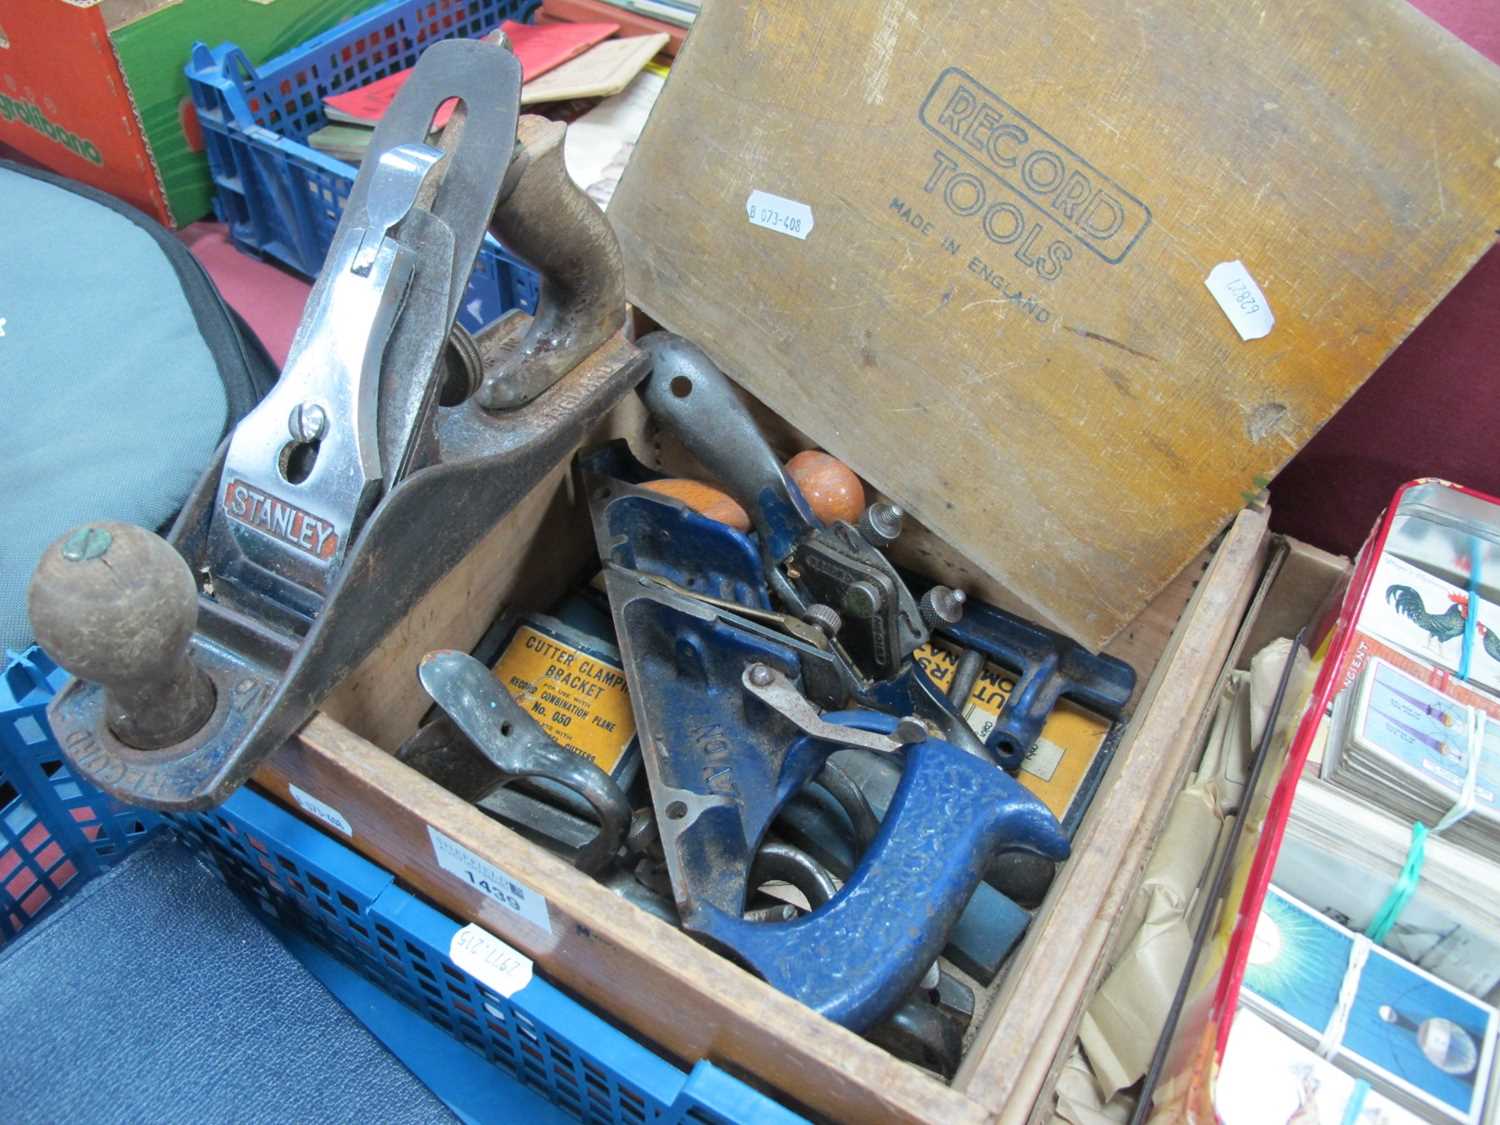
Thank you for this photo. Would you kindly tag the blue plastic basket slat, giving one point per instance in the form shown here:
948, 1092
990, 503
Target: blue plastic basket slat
541, 1036
281, 198
56, 832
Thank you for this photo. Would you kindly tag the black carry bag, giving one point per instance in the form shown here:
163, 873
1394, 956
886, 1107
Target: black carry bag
121, 370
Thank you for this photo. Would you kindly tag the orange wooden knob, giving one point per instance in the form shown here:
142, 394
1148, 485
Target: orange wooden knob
831, 487
702, 498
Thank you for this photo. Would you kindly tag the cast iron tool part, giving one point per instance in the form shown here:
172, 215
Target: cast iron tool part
546, 813
928, 1028
804, 562
777, 692
665, 544
632, 890
1048, 667
721, 764
966, 674
780, 862
990, 923
343, 498
518, 747
1020, 876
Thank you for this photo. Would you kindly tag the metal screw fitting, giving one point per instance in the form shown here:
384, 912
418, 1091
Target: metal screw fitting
825, 618
761, 675
965, 676
909, 730
781, 912
881, 523
942, 605
862, 599
642, 837
462, 366
308, 422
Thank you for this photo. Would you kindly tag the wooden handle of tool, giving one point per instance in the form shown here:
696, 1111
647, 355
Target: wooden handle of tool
831, 488
704, 499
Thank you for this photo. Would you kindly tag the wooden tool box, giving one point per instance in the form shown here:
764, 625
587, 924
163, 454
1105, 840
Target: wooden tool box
666, 987
1069, 455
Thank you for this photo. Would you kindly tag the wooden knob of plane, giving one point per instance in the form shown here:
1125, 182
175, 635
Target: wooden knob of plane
115, 605
832, 489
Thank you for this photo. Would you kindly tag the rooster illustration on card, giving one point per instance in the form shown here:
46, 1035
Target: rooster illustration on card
1428, 617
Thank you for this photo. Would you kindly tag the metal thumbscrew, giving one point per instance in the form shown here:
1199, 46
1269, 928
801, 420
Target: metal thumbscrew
881, 523
761, 675
825, 618
942, 605
308, 422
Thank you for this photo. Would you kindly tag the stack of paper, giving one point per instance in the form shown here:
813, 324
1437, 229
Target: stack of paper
1342, 857
597, 73
1419, 753
599, 144
346, 142
678, 12
555, 71
539, 50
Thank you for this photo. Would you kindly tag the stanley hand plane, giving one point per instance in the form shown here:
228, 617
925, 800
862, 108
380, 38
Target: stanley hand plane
391, 444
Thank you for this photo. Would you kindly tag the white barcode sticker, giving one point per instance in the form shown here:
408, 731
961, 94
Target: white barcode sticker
786, 216
322, 810
485, 877
489, 960
1241, 299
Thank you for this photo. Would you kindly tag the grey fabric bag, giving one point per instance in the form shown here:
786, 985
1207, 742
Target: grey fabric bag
121, 369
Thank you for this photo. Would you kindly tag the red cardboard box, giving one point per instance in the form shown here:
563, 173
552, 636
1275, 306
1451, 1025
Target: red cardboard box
94, 89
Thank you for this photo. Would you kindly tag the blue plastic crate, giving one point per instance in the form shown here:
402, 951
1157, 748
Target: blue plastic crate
56, 830
541, 1036
281, 198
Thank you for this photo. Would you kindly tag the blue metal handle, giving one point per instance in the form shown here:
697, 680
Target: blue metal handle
854, 959
1048, 665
